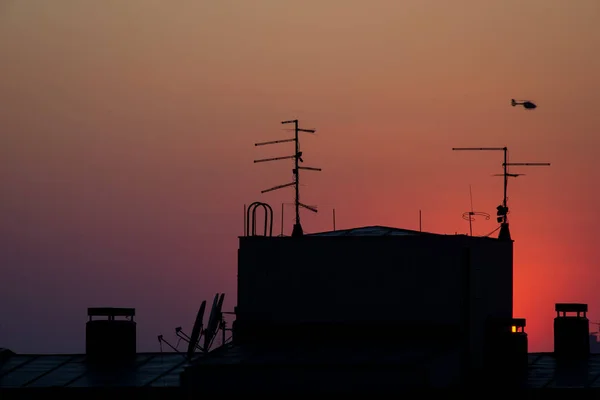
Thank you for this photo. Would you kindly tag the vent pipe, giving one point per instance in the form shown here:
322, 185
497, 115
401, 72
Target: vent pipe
506, 351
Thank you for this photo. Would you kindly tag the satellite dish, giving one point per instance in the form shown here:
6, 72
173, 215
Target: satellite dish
211, 326
219, 314
220, 306
214, 320
196, 330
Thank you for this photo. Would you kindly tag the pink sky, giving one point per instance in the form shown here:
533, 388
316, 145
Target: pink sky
127, 131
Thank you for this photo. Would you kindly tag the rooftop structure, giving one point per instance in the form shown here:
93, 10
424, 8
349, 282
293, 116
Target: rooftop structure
110, 363
395, 300
162, 370
376, 230
73, 371
379, 275
250, 370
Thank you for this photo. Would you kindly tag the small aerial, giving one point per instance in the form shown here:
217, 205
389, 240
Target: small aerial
509, 175
528, 104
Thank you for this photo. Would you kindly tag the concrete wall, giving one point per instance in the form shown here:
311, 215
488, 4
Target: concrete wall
330, 373
361, 279
362, 283
417, 280
492, 292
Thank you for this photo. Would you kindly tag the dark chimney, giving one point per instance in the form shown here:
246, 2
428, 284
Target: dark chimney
506, 351
109, 339
571, 332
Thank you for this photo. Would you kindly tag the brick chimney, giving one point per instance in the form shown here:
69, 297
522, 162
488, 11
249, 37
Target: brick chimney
571, 331
110, 339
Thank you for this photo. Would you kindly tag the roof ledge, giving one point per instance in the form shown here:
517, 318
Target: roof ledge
5, 354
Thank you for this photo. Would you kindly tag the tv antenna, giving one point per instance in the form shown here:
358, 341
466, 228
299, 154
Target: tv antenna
470, 215
502, 209
297, 157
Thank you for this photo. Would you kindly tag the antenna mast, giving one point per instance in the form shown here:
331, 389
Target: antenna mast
502, 210
297, 157
470, 215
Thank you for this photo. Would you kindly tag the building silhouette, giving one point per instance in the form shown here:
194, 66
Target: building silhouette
372, 308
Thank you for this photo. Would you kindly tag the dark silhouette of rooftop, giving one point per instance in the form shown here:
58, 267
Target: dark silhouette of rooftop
72, 370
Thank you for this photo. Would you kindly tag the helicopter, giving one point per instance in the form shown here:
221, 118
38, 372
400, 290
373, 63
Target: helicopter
529, 105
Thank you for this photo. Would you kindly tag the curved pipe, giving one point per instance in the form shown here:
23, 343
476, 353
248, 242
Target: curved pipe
253, 208
268, 218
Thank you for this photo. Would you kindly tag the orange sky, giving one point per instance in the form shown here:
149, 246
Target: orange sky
127, 133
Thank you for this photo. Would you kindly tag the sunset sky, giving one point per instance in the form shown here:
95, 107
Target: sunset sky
127, 133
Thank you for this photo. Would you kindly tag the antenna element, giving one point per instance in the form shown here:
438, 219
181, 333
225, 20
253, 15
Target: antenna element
502, 209
470, 215
297, 157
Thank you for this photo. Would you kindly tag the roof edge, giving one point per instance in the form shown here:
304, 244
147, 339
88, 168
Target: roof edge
5, 353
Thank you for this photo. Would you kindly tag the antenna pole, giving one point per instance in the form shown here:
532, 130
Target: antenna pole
297, 231
334, 219
297, 227
471, 219
505, 166
502, 210
282, 219
244, 230
470, 215
472, 211
505, 150
420, 226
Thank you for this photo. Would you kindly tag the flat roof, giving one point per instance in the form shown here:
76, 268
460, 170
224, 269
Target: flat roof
369, 231
374, 231
164, 369
71, 370
543, 371
378, 230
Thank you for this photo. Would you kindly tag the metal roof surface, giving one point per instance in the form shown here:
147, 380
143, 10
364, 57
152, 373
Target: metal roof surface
149, 369
378, 230
543, 371
316, 355
368, 231
164, 369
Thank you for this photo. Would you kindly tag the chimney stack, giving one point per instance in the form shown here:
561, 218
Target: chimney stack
506, 351
111, 340
571, 332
